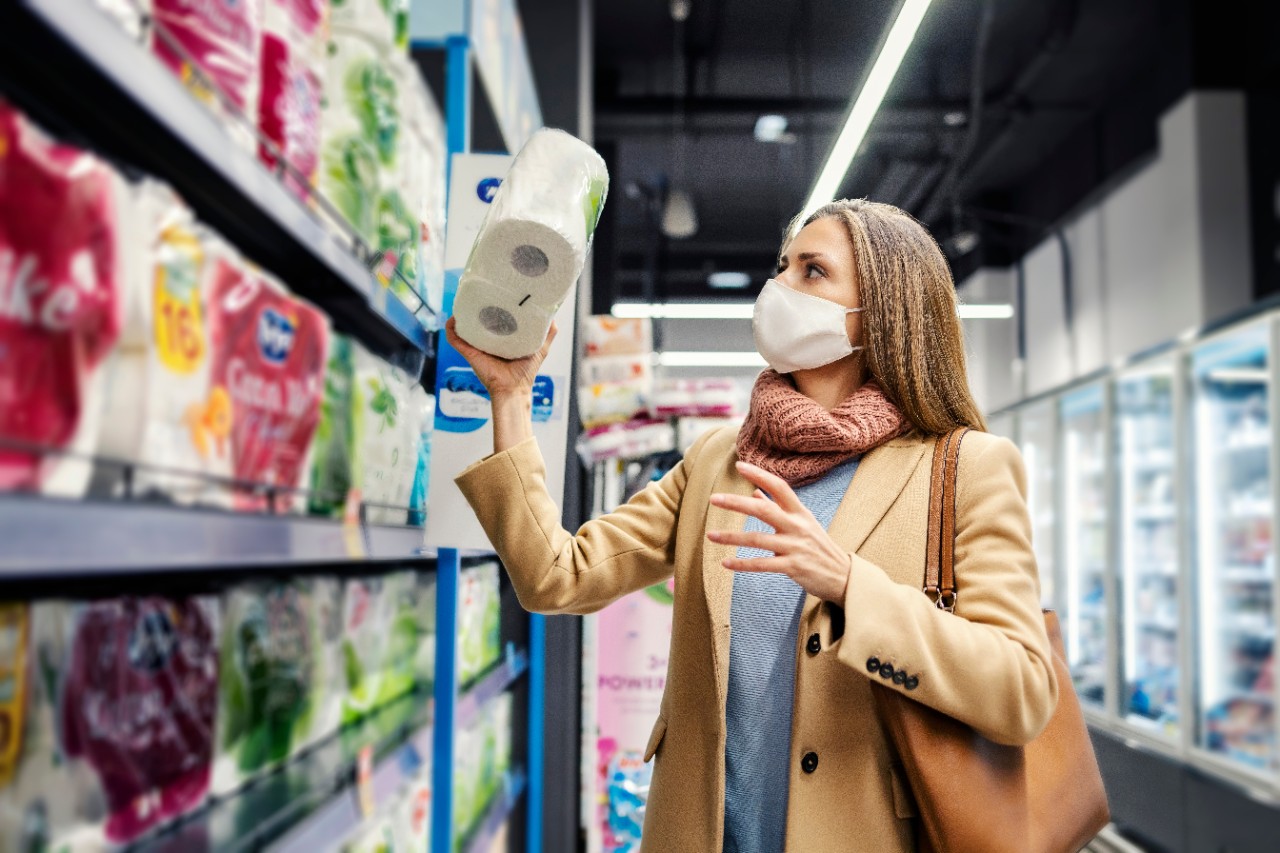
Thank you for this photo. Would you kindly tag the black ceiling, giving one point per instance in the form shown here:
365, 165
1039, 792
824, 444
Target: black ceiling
1069, 95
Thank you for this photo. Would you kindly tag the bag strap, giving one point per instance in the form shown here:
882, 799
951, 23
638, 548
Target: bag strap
940, 550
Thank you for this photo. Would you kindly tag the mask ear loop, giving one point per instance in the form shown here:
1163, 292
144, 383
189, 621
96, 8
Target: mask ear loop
857, 310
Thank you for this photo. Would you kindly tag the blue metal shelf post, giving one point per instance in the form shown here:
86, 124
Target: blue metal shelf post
537, 682
448, 569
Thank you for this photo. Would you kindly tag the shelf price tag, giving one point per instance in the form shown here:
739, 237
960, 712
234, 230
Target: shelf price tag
364, 780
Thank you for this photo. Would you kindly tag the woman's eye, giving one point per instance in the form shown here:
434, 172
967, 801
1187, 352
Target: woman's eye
814, 271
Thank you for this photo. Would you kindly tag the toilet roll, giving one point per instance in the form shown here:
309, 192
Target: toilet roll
532, 246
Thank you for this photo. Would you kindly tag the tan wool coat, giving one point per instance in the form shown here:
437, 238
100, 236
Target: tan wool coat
987, 664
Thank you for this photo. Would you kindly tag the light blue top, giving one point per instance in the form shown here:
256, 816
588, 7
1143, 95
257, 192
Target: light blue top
765, 616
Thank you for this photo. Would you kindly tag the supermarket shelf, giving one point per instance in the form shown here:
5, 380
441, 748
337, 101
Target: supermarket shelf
342, 815
490, 686
311, 802
1168, 626
481, 837
128, 104
1164, 512
49, 536
1247, 575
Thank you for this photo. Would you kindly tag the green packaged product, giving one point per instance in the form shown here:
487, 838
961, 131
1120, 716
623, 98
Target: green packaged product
267, 689
333, 450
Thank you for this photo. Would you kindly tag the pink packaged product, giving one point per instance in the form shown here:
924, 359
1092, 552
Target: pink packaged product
137, 702
630, 440
708, 398
214, 44
61, 303
292, 62
268, 360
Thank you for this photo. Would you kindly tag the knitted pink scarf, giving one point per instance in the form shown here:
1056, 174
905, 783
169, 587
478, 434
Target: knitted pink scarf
790, 435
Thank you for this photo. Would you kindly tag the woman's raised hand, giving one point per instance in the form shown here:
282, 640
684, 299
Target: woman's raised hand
501, 376
802, 549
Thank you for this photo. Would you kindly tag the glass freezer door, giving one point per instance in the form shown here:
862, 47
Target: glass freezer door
1234, 556
1146, 456
1038, 434
1084, 543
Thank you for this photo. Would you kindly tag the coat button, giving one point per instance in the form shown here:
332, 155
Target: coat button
873, 664
886, 670
912, 683
810, 762
815, 644
900, 677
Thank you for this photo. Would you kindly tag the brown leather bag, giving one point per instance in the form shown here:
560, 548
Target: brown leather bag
974, 795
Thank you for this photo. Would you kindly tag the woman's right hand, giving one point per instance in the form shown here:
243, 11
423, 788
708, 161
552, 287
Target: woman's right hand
501, 376
509, 383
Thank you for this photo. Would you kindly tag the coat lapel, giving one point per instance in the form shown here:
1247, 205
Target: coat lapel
880, 478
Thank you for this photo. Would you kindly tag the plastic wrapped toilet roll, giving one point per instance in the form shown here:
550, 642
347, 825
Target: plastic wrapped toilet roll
532, 246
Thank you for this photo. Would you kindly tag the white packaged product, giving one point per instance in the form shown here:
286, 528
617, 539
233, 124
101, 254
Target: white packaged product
532, 245
387, 432
360, 129
371, 18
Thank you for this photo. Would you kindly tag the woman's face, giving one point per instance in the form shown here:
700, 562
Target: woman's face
819, 262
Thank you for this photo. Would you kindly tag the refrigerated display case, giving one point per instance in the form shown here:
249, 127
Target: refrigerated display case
1232, 404
1147, 532
1084, 540
1038, 438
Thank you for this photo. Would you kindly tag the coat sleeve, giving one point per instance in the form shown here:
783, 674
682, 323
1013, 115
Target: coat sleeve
988, 664
555, 571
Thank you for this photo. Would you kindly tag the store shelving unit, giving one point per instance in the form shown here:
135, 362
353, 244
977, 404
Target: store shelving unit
111, 94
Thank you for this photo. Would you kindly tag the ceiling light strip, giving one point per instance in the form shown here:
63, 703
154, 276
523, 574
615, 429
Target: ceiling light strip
867, 103
743, 311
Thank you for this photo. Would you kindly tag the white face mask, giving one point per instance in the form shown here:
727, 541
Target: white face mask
798, 331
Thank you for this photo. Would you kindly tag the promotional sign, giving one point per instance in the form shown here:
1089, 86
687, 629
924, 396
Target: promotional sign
464, 432
633, 637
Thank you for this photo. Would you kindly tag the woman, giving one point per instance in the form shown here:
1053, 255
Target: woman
798, 549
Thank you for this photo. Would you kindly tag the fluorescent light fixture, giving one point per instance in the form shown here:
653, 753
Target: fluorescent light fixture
866, 103
743, 311
986, 312
770, 128
728, 280
1244, 375
685, 310
711, 359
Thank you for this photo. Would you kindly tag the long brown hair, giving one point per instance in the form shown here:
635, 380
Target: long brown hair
913, 337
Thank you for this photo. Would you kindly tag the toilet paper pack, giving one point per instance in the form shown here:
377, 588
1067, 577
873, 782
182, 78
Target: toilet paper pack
532, 245
213, 48
61, 304
360, 129
269, 351
116, 733
388, 428
295, 35
334, 449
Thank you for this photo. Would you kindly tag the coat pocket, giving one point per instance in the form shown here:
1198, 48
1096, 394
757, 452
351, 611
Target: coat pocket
904, 803
655, 739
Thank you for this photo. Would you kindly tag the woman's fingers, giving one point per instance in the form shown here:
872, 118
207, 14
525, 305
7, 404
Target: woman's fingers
768, 565
762, 508
771, 484
772, 542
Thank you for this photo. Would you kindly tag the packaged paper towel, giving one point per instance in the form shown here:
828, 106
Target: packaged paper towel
532, 246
